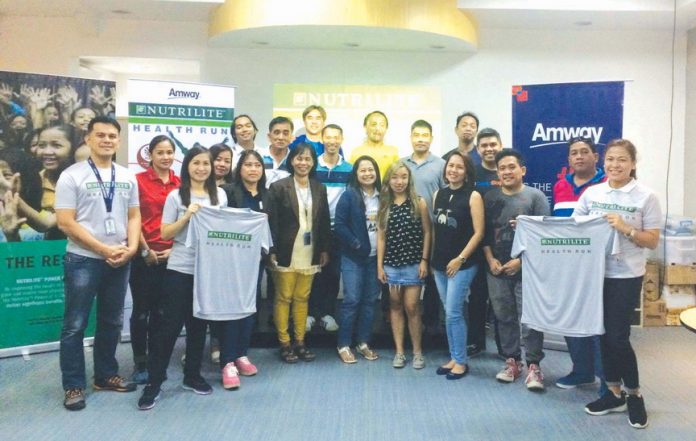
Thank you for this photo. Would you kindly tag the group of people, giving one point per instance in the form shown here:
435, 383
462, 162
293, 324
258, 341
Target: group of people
42, 131
370, 220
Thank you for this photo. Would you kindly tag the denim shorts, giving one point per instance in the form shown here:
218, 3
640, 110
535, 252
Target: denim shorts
403, 275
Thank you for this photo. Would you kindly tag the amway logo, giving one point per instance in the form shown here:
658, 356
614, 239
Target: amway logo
561, 135
173, 93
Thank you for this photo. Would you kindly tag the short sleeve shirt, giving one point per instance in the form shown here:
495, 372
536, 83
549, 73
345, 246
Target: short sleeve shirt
639, 208
79, 189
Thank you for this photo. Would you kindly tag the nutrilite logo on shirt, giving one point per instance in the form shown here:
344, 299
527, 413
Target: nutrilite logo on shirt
228, 235
565, 241
612, 207
119, 185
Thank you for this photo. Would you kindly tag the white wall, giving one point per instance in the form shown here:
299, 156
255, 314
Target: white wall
479, 82
690, 132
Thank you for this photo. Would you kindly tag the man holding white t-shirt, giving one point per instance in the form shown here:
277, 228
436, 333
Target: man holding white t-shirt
97, 207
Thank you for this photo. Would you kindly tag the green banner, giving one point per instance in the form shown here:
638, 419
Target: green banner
31, 299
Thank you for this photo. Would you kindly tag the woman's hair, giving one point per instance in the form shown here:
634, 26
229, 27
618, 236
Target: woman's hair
155, 141
238, 170
629, 147
386, 195
215, 151
185, 188
353, 179
298, 150
470, 175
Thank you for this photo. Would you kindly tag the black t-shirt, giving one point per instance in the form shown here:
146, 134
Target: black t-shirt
453, 227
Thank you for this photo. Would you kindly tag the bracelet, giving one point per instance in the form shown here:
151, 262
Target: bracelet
631, 234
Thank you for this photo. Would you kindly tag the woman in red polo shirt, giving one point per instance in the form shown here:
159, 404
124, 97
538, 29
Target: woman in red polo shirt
149, 267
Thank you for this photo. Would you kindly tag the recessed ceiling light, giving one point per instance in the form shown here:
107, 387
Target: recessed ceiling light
120, 12
436, 46
350, 44
583, 23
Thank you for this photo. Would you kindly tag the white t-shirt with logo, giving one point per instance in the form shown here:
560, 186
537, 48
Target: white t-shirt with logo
79, 189
228, 243
182, 258
563, 263
639, 208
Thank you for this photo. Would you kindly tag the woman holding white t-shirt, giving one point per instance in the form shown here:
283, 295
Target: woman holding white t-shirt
634, 212
197, 189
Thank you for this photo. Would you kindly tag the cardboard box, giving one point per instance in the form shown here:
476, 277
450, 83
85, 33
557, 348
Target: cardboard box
651, 282
654, 313
679, 296
680, 275
672, 318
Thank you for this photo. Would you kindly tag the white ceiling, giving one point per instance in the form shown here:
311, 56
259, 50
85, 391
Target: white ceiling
510, 14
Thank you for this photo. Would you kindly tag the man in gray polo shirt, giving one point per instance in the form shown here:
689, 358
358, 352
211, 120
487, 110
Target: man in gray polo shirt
427, 171
97, 207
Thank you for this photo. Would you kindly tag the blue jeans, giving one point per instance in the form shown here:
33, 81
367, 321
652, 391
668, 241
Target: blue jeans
360, 292
454, 294
85, 279
586, 355
235, 338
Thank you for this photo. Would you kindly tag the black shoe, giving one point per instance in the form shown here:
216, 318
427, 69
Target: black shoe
115, 383
453, 376
608, 403
197, 385
443, 370
474, 350
303, 353
147, 399
74, 399
637, 416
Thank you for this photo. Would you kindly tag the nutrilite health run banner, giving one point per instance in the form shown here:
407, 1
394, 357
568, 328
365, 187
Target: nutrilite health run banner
191, 114
546, 116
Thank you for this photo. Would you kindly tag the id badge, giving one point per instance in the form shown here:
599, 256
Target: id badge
110, 226
307, 237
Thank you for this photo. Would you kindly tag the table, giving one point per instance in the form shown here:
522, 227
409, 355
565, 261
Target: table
688, 319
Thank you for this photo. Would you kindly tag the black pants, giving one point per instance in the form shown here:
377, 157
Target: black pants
431, 303
177, 310
478, 308
146, 284
621, 297
325, 286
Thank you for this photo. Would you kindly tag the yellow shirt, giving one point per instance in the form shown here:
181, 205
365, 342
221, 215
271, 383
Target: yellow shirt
385, 156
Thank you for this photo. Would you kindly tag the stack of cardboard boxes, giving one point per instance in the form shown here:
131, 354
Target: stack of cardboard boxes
669, 284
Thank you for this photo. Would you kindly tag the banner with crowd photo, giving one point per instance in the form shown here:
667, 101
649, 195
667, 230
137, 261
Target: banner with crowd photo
43, 120
546, 116
190, 114
347, 105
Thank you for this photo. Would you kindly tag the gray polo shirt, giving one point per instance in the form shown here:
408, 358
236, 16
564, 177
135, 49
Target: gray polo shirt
427, 177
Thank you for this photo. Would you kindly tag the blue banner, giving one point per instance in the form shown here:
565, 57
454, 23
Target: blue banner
546, 116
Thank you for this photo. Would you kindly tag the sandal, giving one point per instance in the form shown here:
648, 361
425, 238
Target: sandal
364, 350
346, 355
287, 354
303, 353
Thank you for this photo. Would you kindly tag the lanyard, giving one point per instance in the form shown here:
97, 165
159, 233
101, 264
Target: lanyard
108, 195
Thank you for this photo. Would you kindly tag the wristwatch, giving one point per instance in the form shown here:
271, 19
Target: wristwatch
463, 259
144, 253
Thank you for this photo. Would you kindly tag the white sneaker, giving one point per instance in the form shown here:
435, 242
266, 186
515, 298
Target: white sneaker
310, 323
329, 324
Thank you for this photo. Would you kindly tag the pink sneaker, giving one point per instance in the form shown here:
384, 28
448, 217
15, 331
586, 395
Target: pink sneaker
510, 372
245, 366
230, 376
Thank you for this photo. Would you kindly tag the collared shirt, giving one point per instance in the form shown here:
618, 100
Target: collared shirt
275, 170
153, 192
335, 179
384, 155
638, 206
427, 177
371, 209
237, 151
